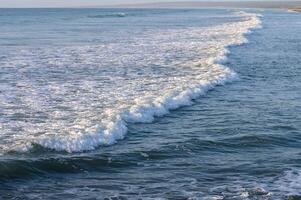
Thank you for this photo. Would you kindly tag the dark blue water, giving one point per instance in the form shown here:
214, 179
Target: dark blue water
239, 141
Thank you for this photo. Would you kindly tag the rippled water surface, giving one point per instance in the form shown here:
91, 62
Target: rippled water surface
149, 104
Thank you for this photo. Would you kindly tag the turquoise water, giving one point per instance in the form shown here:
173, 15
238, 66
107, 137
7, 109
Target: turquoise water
144, 104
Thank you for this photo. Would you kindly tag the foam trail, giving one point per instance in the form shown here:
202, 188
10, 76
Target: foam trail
114, 126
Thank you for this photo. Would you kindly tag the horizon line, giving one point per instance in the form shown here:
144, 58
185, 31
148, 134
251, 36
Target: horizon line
188, 4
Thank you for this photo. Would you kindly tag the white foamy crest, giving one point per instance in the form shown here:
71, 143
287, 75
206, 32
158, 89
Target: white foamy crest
191, 61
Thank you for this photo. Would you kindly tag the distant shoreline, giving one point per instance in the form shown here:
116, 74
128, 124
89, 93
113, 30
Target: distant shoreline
290, 5
285, 5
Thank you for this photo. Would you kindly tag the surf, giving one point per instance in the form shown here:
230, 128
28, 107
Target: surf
178, 91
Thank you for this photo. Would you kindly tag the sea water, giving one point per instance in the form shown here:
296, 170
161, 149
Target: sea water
149, 104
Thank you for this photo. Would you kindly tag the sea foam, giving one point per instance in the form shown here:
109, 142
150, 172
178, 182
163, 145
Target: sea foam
145, 108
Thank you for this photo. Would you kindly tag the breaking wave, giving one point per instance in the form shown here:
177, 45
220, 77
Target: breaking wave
143, 109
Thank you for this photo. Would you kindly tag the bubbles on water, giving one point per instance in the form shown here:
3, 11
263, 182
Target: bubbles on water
77, 98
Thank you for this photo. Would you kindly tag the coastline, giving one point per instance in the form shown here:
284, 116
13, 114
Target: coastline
290, 5
294, 6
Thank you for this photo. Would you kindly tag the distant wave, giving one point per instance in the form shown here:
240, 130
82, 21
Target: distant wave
114, 127
109, 15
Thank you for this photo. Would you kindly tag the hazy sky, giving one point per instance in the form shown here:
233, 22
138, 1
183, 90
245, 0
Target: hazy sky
75, 3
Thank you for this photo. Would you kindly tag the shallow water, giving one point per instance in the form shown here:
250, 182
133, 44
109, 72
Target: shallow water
85, 81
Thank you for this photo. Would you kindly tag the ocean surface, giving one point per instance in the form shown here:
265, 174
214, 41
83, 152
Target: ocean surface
150, 104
